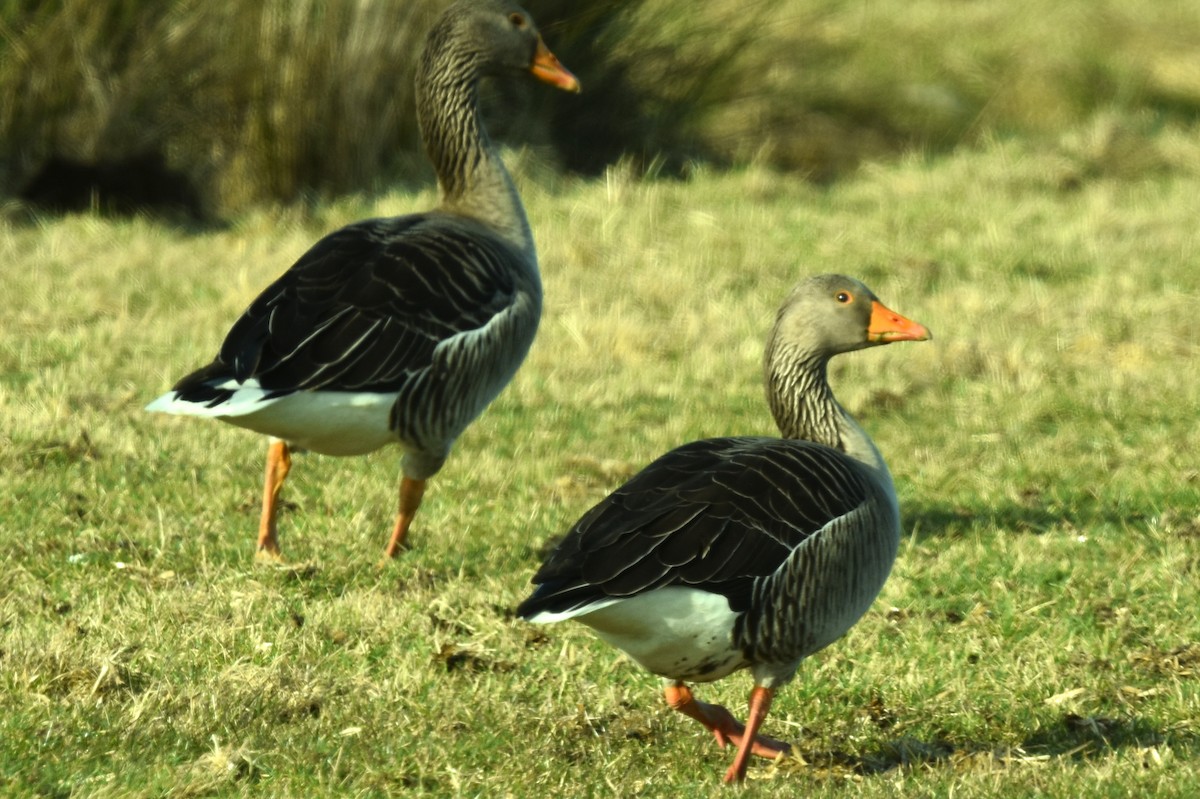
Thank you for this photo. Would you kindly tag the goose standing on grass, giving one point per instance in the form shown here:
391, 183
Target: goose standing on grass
397, 330
733, 553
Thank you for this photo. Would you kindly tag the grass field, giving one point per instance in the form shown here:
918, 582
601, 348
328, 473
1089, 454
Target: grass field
1039, 635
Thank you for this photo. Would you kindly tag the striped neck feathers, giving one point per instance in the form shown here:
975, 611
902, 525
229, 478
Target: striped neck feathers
804, 407
472, 180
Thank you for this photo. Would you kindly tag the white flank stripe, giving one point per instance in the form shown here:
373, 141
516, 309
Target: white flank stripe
329, 422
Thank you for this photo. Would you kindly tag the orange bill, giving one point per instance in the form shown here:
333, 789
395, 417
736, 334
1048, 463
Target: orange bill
546, 68
887, 326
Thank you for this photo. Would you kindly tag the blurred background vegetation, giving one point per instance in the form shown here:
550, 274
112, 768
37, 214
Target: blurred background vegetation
282, 100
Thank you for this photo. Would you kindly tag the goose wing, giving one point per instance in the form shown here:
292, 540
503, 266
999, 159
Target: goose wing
715, 514
363, 310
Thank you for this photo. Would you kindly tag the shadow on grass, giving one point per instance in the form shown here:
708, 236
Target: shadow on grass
947, 520
1078, 739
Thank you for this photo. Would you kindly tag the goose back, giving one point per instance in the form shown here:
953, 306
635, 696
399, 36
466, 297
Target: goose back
430, 308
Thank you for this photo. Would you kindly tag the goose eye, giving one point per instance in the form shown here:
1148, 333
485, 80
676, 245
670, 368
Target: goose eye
517, 20
844, 297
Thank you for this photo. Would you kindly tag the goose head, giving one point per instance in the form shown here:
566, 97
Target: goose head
501, 39
823, 317
830, 314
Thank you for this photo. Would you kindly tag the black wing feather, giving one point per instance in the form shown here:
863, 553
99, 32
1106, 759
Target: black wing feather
364, 308
715, 514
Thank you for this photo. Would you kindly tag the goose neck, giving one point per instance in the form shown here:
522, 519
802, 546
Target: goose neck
802, 401
472, 179
804, 407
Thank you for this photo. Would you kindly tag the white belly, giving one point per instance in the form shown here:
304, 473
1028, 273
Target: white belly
675, 632
328, 422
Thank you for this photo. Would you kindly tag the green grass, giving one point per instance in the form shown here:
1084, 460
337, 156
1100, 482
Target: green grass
1038, 636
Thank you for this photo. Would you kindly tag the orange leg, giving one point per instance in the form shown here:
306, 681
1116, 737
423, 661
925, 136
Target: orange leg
726, 729
279, 462
411, 492
760, 703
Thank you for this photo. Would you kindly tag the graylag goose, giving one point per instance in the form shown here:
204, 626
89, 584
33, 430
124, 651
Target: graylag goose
745, 553
398, 330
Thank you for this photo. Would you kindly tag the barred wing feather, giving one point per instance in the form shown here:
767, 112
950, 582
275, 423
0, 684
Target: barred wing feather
715, 514
364, 309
